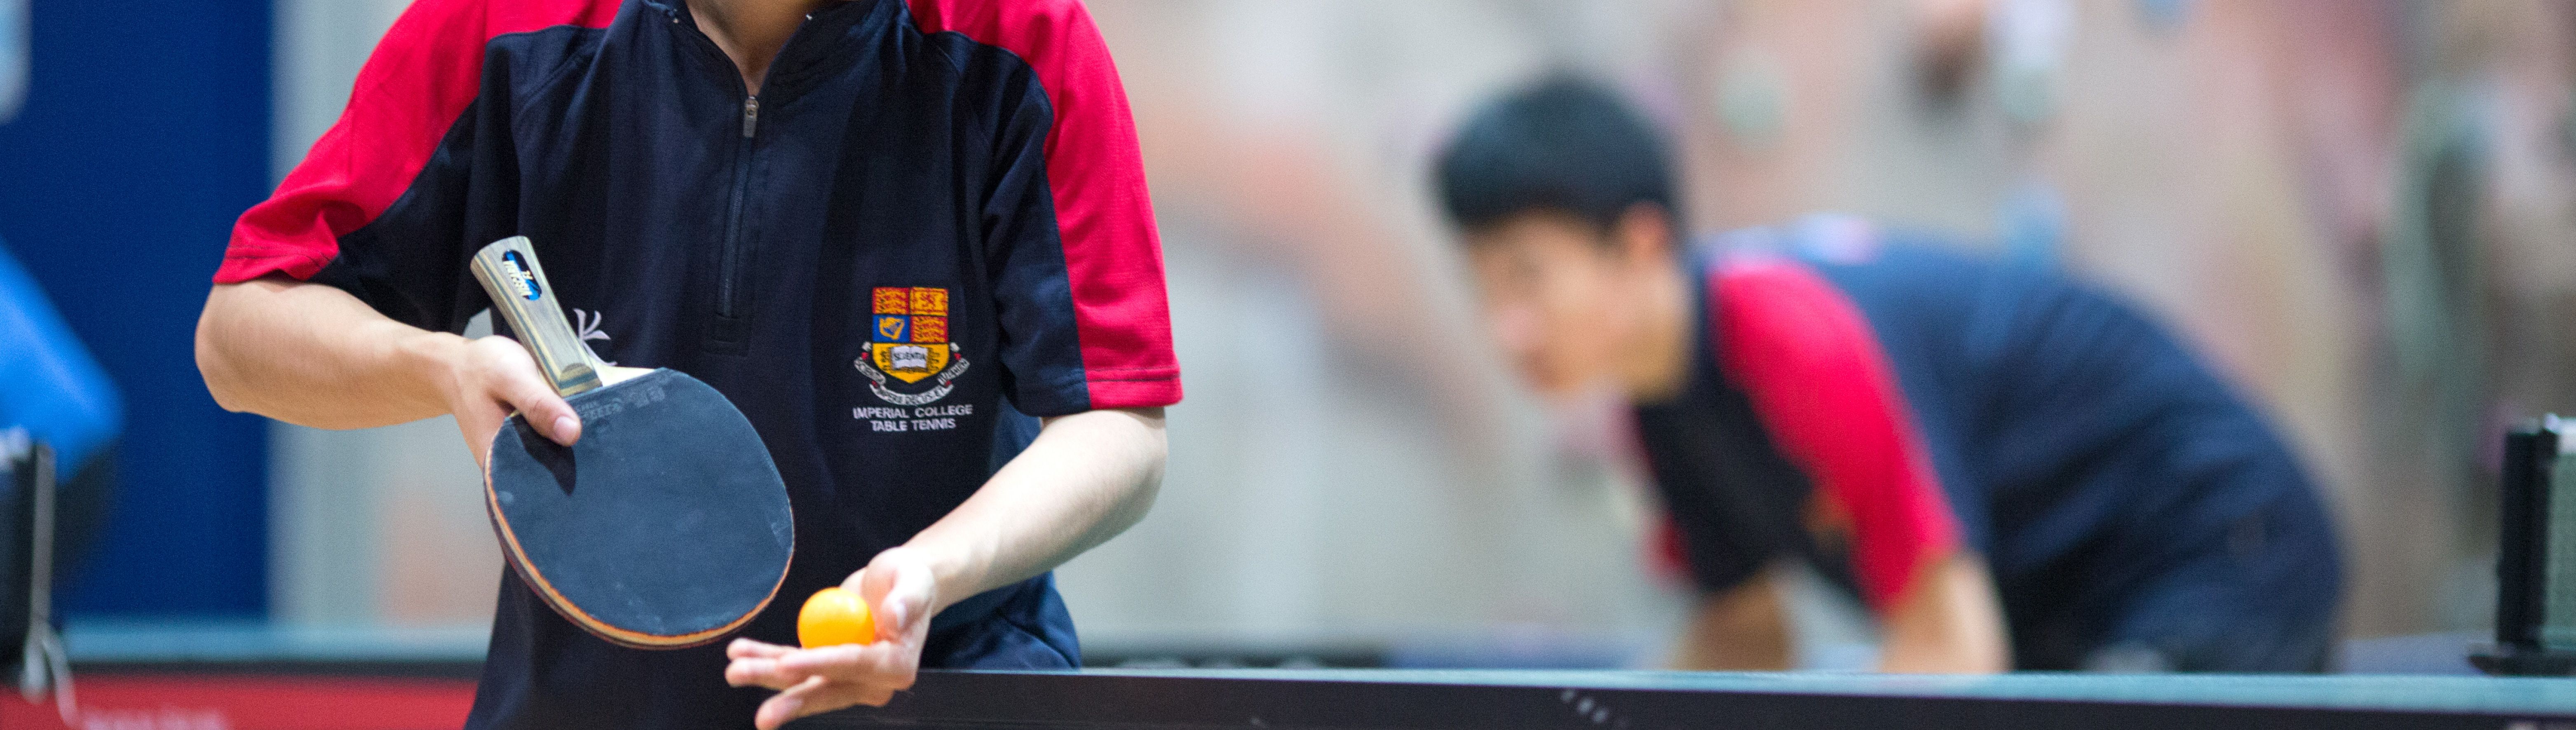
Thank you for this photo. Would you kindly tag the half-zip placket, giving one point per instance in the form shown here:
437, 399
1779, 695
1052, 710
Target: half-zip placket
733, 256
729, 261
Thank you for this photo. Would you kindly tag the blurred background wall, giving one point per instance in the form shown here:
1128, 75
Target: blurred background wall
124, 158
2360, 211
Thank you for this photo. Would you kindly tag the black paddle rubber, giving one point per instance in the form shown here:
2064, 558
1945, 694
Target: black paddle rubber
664, 526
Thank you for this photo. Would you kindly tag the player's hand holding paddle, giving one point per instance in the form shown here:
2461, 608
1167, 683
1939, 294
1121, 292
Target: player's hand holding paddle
494, 376
900, 590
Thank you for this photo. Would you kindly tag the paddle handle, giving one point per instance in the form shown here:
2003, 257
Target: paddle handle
509, 272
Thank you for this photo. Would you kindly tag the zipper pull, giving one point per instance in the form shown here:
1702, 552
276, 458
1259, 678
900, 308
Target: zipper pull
750, 115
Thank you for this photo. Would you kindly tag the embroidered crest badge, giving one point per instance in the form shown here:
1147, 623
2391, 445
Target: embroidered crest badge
909, 345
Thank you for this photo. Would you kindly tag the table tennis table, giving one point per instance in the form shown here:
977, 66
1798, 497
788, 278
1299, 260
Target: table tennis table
375, 677
1636, 700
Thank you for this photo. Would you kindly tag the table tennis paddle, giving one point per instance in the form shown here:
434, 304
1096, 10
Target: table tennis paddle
666, 524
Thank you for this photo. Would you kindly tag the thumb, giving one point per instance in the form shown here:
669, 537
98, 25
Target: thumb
899, 590
542, 407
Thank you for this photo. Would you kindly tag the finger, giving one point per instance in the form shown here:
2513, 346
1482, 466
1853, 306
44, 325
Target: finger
773, 673
825, 698
899, 588
520, 385
873, 697
741, 673
906, 601
846, 661
883, 664
762, 673
509, 375
753, 648
788, 704
873, 583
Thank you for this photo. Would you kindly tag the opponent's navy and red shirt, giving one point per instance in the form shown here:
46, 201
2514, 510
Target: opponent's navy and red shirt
1875, 405
928, 228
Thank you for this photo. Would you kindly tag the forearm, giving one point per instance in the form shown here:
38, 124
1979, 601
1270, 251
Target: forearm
1948, 622
1086, 478
1745, 628
313, 355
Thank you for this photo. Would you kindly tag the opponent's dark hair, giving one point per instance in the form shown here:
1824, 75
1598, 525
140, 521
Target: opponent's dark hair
1563, 144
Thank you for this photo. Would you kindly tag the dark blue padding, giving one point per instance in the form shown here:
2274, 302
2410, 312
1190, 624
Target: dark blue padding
666, 525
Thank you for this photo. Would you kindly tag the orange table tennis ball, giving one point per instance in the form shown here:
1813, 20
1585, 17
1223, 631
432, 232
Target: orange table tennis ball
834, 617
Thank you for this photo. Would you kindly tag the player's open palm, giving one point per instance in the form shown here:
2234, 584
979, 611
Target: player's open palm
900, 588
495, 377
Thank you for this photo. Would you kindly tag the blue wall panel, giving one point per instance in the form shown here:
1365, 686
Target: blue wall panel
145, 132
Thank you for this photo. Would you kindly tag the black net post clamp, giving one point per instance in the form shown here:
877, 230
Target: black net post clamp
43, 667
2535, 628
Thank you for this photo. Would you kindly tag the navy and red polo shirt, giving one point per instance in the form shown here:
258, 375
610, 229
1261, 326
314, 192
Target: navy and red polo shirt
929, 228
1874, 403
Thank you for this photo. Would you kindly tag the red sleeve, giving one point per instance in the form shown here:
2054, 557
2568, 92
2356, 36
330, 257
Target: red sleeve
1113, 258
420, 79
1827, 394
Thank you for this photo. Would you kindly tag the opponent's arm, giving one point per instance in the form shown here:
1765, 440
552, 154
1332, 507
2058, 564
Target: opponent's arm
1743, 628
1086, 477
1947, 622
311, 354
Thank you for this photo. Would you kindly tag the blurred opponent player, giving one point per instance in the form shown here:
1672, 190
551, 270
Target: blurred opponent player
896, 234
2012, 471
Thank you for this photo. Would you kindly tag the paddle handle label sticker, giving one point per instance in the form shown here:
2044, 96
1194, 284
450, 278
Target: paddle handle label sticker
522, 283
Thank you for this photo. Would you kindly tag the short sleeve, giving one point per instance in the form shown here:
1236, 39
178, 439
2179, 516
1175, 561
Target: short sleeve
376, 206
1732, 503
1828, 397
1078, 277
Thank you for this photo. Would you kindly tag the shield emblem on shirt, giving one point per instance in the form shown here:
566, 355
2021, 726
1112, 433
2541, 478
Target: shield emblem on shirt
908, 343
908, 362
